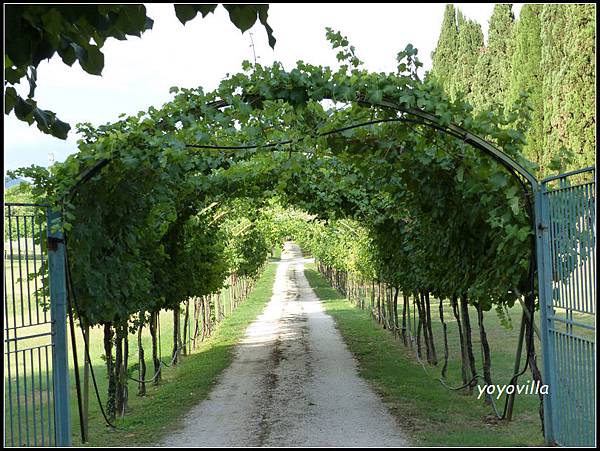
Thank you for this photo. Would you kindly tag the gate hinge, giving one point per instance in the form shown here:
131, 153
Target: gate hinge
541, 227
53, 243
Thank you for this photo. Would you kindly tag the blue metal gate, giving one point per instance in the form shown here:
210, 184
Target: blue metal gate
36, 378
568, 306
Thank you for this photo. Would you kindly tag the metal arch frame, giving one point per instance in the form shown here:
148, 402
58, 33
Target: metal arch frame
431, 120
468, 137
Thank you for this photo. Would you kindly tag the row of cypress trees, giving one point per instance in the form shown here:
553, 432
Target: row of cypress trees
548, 52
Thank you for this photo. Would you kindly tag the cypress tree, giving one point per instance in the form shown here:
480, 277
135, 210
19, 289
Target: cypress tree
549, 52
470, 44
580, 78
568, 63
526, 76
444, 56
492, 74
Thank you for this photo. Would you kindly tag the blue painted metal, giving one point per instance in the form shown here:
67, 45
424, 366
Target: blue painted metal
35, 354
566, 237
58, 296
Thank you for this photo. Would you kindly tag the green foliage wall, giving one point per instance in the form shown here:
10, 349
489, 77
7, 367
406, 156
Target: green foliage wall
549, 53
527, 76
568, 34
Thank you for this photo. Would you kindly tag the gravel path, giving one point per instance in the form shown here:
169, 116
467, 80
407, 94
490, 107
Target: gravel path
293, 382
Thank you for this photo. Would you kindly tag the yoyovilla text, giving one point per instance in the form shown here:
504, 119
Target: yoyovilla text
533, 388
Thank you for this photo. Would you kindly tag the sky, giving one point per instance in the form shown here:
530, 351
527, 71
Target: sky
139, 72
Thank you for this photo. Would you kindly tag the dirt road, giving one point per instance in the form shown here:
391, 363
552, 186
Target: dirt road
293, 382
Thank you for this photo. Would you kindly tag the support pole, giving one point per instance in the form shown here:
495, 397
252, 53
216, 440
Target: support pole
58, 311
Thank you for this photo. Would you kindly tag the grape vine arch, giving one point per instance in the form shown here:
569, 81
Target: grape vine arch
265, 109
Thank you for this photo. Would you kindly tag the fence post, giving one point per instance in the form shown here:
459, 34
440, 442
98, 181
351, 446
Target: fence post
544, 269
58, 310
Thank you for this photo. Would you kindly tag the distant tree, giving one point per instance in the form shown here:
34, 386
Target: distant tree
549, 53
527, 76
444, 55
77, 33
470, 44
19, 193
568, 62
492, 75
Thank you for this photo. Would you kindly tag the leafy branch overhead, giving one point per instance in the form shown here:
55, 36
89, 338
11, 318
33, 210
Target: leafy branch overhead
77, 33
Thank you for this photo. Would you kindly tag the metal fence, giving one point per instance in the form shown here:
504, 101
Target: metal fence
569, 307
35, 352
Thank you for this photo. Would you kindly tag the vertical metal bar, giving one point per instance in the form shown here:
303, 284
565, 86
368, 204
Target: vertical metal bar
20, 270
58, 302
591, 408
33, 412
561, 220
25, 397
569, 253
558, 377
544, 281
581, 389
16, 343
35, 282
576, 384
27, 268
575, 244
556, 262
49, 389
43, 441
593, 246
44, 298
590, 222
581, 245
569, 361
559, 396
586, 383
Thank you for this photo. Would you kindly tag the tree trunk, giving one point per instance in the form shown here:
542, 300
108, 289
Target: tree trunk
396, 312
186, 318
419, 325
155, 356
431, 338
487, 364
409, 327
404, 311
378, 302
141, 358
120, 391
196, 318
445, 329
124, 368
176, 334
112, 383
423, 325
463, 349
86, 380
372, 297
531, 355
464, 309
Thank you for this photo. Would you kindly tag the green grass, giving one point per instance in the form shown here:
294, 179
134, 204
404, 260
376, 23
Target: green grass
149, 417
431, 414
276, 254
